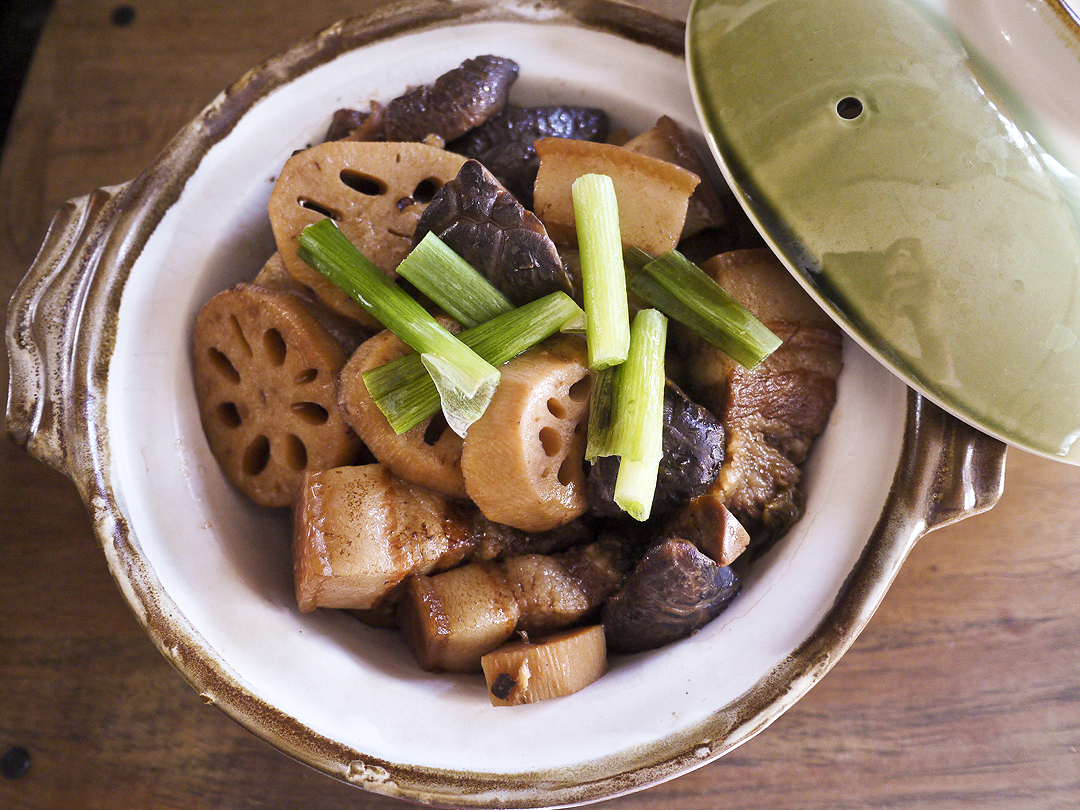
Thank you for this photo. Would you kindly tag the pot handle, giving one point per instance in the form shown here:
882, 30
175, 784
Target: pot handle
968, 466
47, 388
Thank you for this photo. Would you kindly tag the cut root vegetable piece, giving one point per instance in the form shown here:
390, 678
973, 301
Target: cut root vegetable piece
266, 383
668, 141
523, 460
429, 454
653, 194
347, 331
563, 663
709, 525
374, 192
360, 531
453, 619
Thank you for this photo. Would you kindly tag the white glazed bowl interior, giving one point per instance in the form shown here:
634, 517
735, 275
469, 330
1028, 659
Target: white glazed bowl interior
223, 566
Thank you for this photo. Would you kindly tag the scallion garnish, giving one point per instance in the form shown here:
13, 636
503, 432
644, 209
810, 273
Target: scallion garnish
599, 440
596, 217
405, 394
635, 486
452, 283
640, 394
686, 293
465, 381
639, 409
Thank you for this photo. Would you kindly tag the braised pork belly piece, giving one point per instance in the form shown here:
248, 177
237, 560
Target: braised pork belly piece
361, 531
771, 413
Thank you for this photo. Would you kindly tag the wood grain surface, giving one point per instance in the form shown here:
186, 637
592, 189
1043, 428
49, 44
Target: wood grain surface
963, 691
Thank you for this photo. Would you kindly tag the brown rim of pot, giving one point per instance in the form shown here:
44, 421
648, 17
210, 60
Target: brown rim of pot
57, 408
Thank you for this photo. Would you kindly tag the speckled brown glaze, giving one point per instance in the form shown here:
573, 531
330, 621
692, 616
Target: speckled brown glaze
57, 411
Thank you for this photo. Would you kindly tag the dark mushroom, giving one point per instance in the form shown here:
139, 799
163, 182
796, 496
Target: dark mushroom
454, 103
673, 591
492, 231
356, 125
504, 144
693, 453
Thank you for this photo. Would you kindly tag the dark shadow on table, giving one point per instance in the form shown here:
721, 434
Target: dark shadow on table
21, 22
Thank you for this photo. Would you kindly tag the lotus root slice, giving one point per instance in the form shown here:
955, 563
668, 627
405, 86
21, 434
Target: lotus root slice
266, 383
429, 454
374, 192
523, 460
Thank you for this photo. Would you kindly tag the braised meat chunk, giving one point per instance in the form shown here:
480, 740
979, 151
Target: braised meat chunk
771, 413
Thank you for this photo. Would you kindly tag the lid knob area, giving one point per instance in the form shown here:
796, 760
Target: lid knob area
937, 231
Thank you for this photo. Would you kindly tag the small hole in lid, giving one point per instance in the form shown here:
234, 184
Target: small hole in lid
849, 108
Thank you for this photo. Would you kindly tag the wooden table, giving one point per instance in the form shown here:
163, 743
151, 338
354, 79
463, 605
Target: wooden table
963, 692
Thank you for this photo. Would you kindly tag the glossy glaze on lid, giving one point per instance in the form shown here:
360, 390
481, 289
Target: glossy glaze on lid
896, 187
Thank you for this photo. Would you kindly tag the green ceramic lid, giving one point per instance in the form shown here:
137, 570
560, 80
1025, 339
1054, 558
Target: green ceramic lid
882, 169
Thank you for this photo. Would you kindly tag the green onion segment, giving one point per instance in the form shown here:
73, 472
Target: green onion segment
596, 217
452, 283
639, 408
465, 381
599, 439
686, 293
406, 395
635, 487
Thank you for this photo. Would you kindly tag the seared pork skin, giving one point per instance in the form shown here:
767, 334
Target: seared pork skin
771, 413
360, 531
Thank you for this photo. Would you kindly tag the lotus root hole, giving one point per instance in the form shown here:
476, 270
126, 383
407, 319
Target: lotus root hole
229, 414
223, 365
295, 453
318, 208
256, 456
551, 441
425, 190
579, 391
311, 412
238, 333
307, 376
556, 408
436, 426
275, 346
566, 471
366, 184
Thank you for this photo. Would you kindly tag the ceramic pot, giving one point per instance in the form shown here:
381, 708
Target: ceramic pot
102, 389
